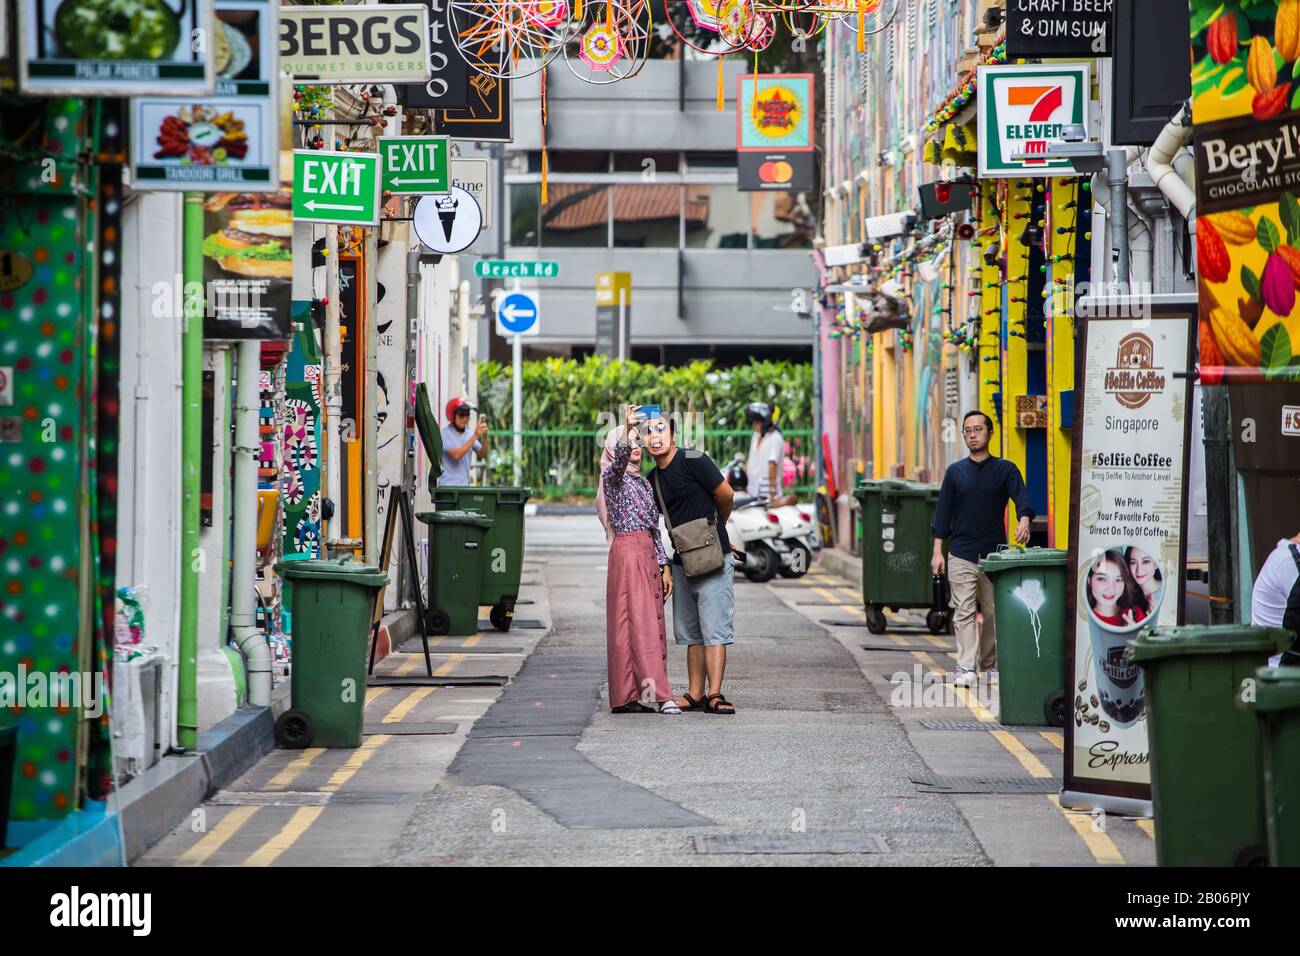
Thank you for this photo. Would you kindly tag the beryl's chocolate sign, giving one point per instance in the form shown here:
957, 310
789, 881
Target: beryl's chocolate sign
355, 44
1246, 114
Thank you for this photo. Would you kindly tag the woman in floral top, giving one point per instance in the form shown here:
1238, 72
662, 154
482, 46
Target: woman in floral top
638, 581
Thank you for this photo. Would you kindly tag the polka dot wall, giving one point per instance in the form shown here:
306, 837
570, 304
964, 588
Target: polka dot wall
42, 473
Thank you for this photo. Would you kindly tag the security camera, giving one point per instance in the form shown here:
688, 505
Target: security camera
991, 254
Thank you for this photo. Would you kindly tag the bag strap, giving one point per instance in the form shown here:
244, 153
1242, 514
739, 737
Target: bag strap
662, 507
1295, 556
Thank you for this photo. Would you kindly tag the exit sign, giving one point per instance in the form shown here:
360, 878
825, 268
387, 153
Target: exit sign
336, 187
515, 269
414, 165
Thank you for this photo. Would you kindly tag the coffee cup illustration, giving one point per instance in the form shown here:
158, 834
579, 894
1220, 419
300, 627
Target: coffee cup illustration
1123, 589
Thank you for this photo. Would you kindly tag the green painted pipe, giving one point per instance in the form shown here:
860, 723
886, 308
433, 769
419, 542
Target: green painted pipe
192, 563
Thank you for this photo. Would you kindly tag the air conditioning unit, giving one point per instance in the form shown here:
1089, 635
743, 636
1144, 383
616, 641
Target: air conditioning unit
137, 695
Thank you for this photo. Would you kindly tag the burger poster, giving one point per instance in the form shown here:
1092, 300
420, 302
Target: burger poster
1246, 115
248, 265
228, 141
1126, 549
115, 47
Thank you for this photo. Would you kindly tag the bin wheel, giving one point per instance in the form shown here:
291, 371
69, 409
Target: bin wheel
499, 618
294, 730
439, 622
937, 622
800, 562
1054, 708
876, 622
1254, 855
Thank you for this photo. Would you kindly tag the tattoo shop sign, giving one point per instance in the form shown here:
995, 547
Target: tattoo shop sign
356, 44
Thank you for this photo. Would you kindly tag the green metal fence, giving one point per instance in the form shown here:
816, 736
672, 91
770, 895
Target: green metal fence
566, 464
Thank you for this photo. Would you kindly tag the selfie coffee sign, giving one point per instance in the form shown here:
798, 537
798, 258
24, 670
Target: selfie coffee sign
355, 44
1126, 543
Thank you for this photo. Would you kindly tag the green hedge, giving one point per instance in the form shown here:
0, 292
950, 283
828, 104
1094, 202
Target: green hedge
571, 394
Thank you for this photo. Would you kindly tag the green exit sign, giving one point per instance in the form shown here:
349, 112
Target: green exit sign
515, 269
336, 187
414, 165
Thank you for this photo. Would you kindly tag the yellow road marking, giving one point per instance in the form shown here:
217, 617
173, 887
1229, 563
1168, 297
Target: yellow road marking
215, 838
1054, 737
449, 665
471, 641
1021, 753
355, 762
855, 608
374, 693
937, 641
302, 818
299, 764
408, 702
1147, 826
1102, 847
411, 663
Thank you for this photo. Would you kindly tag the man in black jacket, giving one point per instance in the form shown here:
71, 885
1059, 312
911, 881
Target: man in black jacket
972, 504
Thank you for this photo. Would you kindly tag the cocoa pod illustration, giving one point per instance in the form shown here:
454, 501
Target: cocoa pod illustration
1260, 70
1286, 29
1221, 39
1212, 260
1235, 227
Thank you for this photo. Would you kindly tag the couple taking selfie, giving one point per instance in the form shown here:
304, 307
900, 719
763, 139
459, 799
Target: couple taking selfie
686, 488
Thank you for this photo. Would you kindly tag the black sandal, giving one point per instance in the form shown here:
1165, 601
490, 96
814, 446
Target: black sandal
691, 703
714, 703
635, 707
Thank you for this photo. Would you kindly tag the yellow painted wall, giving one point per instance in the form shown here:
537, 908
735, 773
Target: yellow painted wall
1060, 355
990, 343
1015, 210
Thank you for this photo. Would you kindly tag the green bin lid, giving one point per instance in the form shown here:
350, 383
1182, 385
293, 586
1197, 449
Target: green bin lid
501, 491
1168, 641
895, 487
1013, 559
455, 517
333, 569
1276, 688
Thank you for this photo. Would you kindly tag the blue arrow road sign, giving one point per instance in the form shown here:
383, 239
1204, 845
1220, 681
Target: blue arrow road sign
518, 313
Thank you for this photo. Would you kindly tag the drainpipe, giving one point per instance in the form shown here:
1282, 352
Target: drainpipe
1117, 216
1165, 158
187, 696
257, 653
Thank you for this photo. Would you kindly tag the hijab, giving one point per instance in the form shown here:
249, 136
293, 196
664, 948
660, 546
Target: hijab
606, 459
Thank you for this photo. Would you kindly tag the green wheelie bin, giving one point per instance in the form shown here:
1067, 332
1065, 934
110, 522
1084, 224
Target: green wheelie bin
1277, 705
455, 569
896, 541
1207, 773
333, 606
503, 545
1029, 605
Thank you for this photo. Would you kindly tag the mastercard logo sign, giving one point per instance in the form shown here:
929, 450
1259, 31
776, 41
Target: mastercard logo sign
775, 172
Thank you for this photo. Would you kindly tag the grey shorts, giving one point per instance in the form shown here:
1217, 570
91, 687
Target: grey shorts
704, 608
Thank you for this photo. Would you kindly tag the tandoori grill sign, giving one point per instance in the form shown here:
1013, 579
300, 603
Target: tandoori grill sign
354, 44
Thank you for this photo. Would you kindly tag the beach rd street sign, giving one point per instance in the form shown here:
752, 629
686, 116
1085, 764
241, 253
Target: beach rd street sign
516, 269
337, 187
414, 165
518, 314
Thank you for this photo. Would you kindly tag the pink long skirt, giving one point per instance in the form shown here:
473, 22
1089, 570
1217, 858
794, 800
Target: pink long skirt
634, 622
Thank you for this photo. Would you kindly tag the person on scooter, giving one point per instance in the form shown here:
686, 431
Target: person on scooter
766, 452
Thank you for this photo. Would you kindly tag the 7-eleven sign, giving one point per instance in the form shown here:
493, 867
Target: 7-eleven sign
1022, 109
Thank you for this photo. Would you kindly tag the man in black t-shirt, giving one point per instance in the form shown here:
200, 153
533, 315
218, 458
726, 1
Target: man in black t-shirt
703, 607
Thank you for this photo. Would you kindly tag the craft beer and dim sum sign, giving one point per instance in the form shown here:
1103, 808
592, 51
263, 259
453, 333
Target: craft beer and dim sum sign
356, 44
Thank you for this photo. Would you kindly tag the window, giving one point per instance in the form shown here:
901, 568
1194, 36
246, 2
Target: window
660, 162
524, 201
577, 214
696, 161
647, 215
781, 221
717, 217
572, 161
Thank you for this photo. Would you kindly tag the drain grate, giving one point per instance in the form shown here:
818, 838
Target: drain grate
987, 784
932, 648
753, 843
962, 725
413, 729
520, 623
